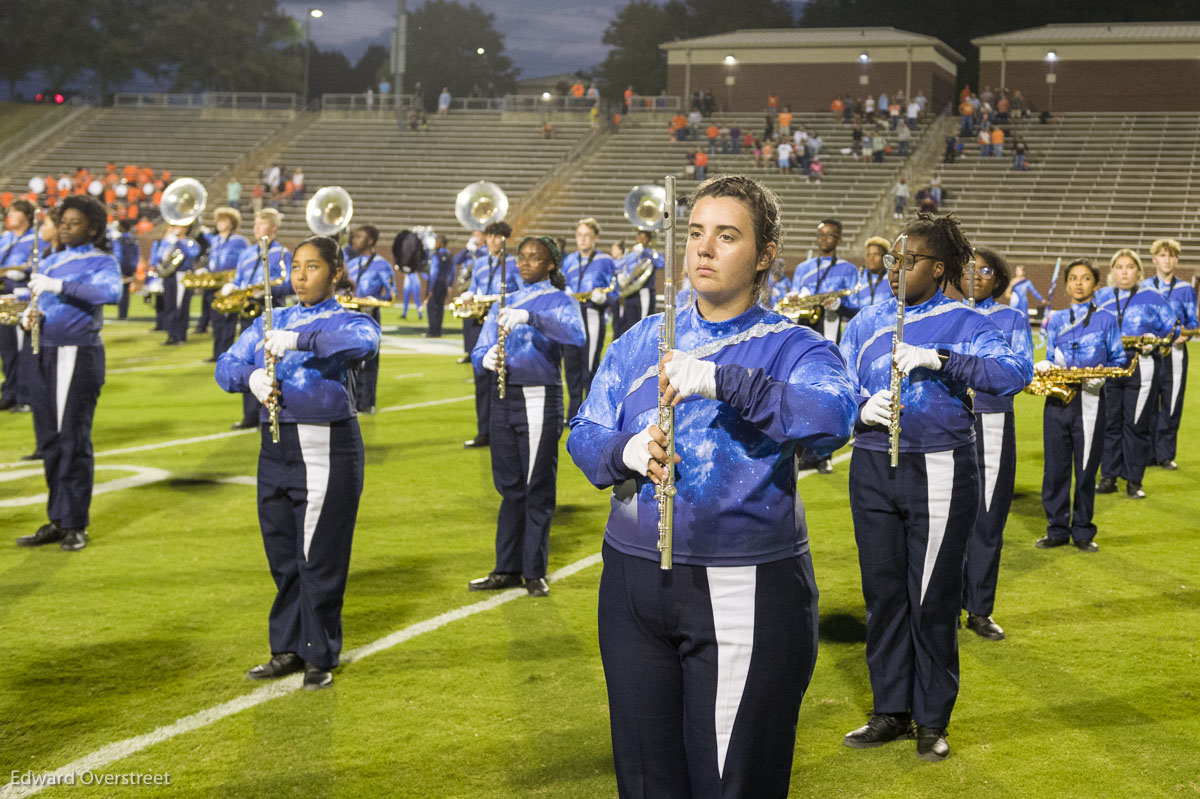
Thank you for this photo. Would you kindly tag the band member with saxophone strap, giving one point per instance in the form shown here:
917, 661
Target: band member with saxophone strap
309, 483
487, 277
1080, 337
873, 287
371, 276
593, 274
249, 275
65, 375
912, 522
464, 272
995, 450
225, 250
641, 264
1130, 401
527, 421
754, 388
16, 246
1173, 363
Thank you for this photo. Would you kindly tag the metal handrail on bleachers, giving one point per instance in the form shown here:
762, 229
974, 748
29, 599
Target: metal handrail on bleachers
260, 101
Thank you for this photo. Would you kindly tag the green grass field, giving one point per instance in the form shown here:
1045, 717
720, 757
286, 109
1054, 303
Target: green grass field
1096, 692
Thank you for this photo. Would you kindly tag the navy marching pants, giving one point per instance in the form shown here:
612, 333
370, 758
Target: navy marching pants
177, 302
308, 490
581, 363
436, 308
207, 314
705, 668
1073, 440
1130, 405
123, 300
525, 429
224, 332
485, 381
911, 525
996, 453
637, 306
1172, 380
64, 387
367, 376
10, 352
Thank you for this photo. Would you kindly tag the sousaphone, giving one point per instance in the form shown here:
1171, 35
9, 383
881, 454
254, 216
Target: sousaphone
645, 207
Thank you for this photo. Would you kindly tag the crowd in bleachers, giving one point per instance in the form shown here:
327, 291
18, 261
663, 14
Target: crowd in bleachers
131, 193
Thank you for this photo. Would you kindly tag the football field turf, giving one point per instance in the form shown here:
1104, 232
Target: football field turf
128, 657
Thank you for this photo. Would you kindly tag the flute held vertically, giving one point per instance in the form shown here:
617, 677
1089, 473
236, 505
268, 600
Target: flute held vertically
897, 377
269, 359
664, 492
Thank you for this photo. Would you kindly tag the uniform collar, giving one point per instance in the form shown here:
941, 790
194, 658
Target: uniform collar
743, 321
325, 305
986, 302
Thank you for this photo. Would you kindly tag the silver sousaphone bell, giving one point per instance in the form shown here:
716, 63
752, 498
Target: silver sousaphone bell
183, 201
329, 211
645, 206
480, 204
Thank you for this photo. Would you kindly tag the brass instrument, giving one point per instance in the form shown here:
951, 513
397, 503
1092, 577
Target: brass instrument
1146, 340
11, 309
637, 279
264, 245
1060, 383
207, 280
807, 309
35, 260
352, 303
242, 301
645, 208
477, 206
664, 492
1190, 331
329, 211
182, 203
584, 296
897, 377
477, 306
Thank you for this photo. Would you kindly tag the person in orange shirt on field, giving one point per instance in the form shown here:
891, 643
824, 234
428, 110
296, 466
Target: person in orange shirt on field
997, 142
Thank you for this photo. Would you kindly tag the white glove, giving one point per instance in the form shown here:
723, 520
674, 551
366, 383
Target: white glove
636, 454
1043, 366
598, 296
15, 275
27, 319
201, 271
1147, 349
467, 296
832, 304
1180, 343
877, 410
1093, 385
692, 376
261, 386
40, 284
171, 238
228, 289
491, 358
511, 317
909, 357
280, 341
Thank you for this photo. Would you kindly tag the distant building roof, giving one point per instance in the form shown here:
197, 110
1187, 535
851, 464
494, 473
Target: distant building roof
813, 37
1097, 33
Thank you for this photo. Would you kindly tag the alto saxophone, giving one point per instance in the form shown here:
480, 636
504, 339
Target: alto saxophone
1060, 383
664, 492
807, 309
897, 377
272, 402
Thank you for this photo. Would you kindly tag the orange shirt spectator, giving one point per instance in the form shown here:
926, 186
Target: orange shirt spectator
701, 158
997, 136
166, 176
678, 121
966, 109
131, 212
6, 199
130, 173
577, 89
712, 132
144, 226
785, 120
157, 200
772, 102
837, 106
145, 175
110, 195
628, 95
134, 195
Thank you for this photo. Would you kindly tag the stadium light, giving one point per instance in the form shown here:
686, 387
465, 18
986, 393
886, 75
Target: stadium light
313, 13
864, 57
480, 51
546, 96
1051, 56
316, 13
730, 60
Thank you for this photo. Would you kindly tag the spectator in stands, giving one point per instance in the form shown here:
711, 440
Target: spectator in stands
903, 138
815, 142
385, 89
987, 96
768, 153
1020, 152
900, 196
784, 155
815, 170
701, 166
735, 138
772, 103
785, 121
370, 98
847, 110
838, 107
547, 130
1003, 107
256, 197
893, 115
444, 101
967, 115
712, 132
689, 167
592, 92
998, 142
869, 108
911, 113
951, 152
879, 140
298, 185
233, 193
935, 191
985, 142
710, 103
856, 139
758, 153
694, 120
1018, 105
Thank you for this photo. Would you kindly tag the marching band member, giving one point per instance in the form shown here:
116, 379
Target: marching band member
640, 304
250, 273
778, 284
706, 664
1020, 290
441, 273
995, 450
486, 279
63, 380
873, 287
464, 271
527, 423
824, 273
412, 292
309, 483
1083, 336
371, 276
16, 245
176, 298
1130, 400
225, 250
591, 272
128, 252
1172, 366
912, 523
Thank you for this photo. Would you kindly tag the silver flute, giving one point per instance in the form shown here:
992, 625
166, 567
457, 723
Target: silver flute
664, 492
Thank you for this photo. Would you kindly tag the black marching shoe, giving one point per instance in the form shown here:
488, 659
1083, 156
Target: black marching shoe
36, 455
984, 627
882, 728
1046, 542
243, 425
463, 359
280, 665
537, 586
1134, 490
73, 540
495, 581
46, 534
1087, 546
1107, 485
476, 442
825, 466
931, 744
5, 404
1170, 466
316, 678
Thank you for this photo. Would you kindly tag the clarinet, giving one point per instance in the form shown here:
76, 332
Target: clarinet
269, 359
664, 492
501, 335
897, 377
35, 317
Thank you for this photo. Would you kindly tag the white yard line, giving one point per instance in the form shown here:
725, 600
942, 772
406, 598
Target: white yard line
128, 369
142, 475
107, 755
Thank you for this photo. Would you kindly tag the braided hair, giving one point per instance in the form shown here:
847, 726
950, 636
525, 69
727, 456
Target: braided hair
944, 239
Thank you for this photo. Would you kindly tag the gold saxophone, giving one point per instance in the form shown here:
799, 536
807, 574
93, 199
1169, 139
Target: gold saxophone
1060, 383
242, 301
208, 280
352, 303
1147, 340
807, 309
664, 492
583, 296
897, 376
476, 307
11, 309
